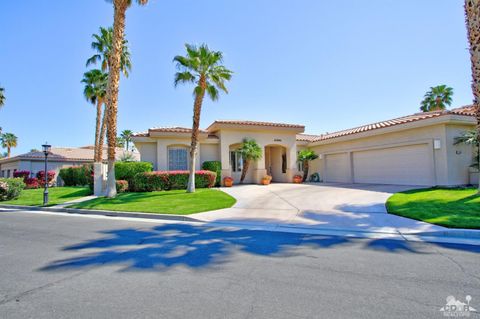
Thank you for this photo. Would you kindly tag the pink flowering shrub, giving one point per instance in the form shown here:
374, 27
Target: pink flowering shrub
32, 183
122, 186
41, 178
166, 180
21, 174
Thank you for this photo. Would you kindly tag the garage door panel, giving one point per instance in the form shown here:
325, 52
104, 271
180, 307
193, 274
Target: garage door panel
337, 168
406, 165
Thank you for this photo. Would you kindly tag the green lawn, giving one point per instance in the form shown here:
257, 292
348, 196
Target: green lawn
455, 208
56, 195
167, 202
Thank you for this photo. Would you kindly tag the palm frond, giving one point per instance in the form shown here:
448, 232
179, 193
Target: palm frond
212, 92
183, 77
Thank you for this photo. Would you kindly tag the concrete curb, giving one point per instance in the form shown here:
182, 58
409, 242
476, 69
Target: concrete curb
454, 234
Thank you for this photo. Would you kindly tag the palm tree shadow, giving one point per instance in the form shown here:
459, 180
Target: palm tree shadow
197, 247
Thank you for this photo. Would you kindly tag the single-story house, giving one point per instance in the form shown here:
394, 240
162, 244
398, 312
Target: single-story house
59, 157
417, 149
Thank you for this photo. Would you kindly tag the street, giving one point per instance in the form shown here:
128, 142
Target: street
56, 266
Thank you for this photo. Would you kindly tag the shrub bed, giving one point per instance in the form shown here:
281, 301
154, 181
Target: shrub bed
41, 178
127, 170
77, 175
31, 183
122, 186
21, 174
166, 180
10, 188
214, 166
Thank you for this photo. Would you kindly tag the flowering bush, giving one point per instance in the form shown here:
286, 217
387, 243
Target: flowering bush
166, 180
122, 186
31, 183
21, 174
10, 188
41, 178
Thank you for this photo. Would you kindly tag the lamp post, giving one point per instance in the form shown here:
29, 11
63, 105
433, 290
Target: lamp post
46, 150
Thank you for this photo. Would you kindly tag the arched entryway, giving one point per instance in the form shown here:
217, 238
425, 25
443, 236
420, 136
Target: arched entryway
276, 162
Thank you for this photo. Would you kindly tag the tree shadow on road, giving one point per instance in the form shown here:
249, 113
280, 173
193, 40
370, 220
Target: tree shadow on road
198, 247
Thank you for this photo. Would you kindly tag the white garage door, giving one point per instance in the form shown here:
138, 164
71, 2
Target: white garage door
337, 168
406, 165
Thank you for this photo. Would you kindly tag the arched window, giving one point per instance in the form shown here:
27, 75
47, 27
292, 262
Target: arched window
177, 158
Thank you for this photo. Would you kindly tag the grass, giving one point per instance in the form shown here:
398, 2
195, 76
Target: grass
167, 202
56, 195
454, 208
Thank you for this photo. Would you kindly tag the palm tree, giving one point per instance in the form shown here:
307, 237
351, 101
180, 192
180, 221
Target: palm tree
95, 91
127, 137
250, 151
9, 140
472, 14
304, 157
115, 64
437, 98
2, 96
103, 45
120, 142
203, 68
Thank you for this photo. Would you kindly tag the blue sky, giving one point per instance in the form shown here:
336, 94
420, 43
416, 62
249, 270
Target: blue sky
329, 65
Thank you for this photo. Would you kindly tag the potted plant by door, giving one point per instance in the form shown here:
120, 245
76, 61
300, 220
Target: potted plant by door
266, 179
228, 181
297, 179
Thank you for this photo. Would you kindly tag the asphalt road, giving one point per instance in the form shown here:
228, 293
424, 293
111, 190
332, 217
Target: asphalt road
54, 266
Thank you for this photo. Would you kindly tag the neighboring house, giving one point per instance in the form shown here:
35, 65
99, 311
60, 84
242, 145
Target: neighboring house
412, 150
60, 157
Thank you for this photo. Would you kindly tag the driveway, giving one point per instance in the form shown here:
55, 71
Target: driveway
351, 207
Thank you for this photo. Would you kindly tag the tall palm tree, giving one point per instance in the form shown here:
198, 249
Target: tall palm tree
114, 62
203, 68
437, 98
250, 151
304, 157
472, 14
127, 137
2, 96
9, 140
95, 91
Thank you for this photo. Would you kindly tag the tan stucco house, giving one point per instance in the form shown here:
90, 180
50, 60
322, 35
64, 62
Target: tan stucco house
416, 149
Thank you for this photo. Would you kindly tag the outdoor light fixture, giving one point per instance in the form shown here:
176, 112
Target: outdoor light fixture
46, 150
437, 144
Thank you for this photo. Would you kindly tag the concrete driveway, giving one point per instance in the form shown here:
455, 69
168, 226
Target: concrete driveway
350, 207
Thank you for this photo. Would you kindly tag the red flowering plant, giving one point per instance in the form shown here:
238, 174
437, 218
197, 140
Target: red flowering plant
41, 178
31, 183
166, 180
22, 174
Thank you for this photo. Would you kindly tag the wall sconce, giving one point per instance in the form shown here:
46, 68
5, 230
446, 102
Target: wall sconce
437, 144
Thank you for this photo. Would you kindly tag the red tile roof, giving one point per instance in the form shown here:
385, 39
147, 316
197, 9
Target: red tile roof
307, 137
466, 111
173, 129
256, 123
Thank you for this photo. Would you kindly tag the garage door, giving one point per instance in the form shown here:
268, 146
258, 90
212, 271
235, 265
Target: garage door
337, 168
406, 165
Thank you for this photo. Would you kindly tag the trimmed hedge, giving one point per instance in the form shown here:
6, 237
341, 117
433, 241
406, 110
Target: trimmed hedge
77, 175
127, 170
10, 188
166, 180
122, 186
214, 166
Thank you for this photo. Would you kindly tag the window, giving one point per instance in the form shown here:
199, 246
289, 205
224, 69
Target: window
8, 173
284, 163
177, 159
236, 161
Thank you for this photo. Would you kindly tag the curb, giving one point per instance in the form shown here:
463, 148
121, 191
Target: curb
468, 234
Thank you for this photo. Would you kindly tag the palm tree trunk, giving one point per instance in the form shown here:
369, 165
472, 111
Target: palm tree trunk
197, 108
101, 138
472, 14
97, 130
8, 151
305, 170
120, 8
126, 144
246, 165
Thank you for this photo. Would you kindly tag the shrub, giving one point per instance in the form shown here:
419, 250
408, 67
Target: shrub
41, 178
214, 166
122, 186
76, 175
10, 188
31, 183
166, 180
21, 174
128, 170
